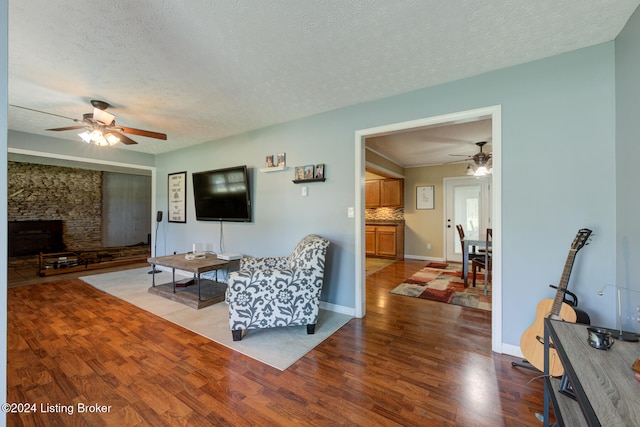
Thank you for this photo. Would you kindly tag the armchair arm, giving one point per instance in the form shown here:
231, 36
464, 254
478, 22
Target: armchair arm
270, 298
257, 263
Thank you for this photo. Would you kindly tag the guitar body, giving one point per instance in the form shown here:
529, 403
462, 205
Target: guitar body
532, 340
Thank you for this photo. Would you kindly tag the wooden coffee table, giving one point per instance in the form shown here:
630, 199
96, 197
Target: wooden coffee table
213, 290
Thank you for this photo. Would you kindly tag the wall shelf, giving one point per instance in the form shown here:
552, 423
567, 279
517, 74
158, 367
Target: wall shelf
274, 169
302, 181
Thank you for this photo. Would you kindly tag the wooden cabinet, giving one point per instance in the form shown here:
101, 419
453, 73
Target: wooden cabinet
384, 241
372, 194
370, 240
391, 193
384, 193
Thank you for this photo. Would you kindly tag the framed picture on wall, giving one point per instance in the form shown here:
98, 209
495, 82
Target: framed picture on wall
424, 197
177, 195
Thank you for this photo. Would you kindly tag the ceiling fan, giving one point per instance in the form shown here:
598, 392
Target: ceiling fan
480, 159
100, 127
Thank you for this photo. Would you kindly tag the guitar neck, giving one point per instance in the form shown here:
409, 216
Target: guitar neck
564, 282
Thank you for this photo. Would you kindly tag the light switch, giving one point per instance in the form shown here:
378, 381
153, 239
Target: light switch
305, 191
351, 212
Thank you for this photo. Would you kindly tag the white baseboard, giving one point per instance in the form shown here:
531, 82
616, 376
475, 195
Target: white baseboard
511, 350
338, 308
424, 258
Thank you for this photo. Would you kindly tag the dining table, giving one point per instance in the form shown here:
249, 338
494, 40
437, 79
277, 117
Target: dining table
469, 243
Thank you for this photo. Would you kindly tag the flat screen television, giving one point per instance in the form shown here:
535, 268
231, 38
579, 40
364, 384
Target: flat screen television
222, 195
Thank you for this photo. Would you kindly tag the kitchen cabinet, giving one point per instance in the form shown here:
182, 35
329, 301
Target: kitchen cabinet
372, 193
384, 241
384, 193
391, 193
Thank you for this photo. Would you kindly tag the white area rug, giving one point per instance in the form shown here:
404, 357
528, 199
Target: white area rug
277, 347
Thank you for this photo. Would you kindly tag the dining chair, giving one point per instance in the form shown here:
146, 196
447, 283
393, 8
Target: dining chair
484, 262
474, 253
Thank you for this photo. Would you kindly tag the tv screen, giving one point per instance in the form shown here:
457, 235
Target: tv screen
222, 195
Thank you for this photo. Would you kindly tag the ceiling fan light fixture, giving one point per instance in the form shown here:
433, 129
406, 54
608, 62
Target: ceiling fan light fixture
481, 171
111, 138
96, 137
469, 170
86, 136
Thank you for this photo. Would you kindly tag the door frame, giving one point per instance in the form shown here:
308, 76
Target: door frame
495, 112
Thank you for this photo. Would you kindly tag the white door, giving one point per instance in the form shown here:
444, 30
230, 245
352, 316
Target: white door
467, 202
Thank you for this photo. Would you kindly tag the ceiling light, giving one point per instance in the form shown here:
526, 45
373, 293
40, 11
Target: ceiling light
469, 170
481, 171
96, 137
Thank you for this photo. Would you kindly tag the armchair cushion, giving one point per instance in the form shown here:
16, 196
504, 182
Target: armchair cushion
274, 292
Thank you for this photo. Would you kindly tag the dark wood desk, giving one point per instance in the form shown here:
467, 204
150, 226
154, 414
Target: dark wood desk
607, 393
197, 266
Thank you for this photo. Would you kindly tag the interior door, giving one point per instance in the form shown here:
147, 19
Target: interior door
468, 202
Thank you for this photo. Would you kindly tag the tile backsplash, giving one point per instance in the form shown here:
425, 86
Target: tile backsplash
394, 214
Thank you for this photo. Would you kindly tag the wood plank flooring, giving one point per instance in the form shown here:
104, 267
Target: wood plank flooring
409, 362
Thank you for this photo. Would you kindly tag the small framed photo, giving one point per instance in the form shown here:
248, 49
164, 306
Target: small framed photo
308, 172
424, 197
177, 189
566, 388
282, 160
269, 161
299, 173
319, 173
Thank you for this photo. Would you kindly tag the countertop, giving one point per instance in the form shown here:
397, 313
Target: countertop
384, 222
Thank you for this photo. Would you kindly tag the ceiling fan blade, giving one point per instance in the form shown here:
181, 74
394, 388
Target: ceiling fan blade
147, 133
44, 112
123, 138
67, 128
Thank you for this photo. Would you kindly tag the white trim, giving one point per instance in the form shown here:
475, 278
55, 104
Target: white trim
495, 112
337, 308
383, 170
78, 159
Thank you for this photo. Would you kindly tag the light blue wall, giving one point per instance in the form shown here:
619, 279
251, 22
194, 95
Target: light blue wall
558, 176
627, 156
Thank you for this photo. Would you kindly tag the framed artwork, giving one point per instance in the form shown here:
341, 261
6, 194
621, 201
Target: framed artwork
299, 173
308, 172
177, 195
424, 197
319, 174
282, 160
268, 162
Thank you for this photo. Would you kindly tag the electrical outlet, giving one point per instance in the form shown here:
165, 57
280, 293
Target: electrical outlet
428, 245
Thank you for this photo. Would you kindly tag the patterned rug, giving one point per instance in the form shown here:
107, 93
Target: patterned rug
443, 283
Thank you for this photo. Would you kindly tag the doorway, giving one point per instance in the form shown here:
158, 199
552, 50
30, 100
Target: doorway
468, 203
495, 113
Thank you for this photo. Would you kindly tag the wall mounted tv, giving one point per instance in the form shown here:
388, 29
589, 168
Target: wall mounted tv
222, 195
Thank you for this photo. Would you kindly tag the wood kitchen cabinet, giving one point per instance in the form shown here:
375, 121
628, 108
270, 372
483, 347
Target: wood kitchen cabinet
391, 193
384, 241
384, 193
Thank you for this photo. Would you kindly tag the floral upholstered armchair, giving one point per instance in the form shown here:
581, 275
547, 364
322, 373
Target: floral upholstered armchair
280, 291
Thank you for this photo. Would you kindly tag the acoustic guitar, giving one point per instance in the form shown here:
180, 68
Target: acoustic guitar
532, 340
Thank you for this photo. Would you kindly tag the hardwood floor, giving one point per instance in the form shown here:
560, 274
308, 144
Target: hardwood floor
409, 362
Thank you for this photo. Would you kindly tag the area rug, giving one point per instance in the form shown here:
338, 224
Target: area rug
373, 265
443, 283
277, 347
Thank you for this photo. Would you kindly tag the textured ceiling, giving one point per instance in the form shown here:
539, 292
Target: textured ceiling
199, 70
